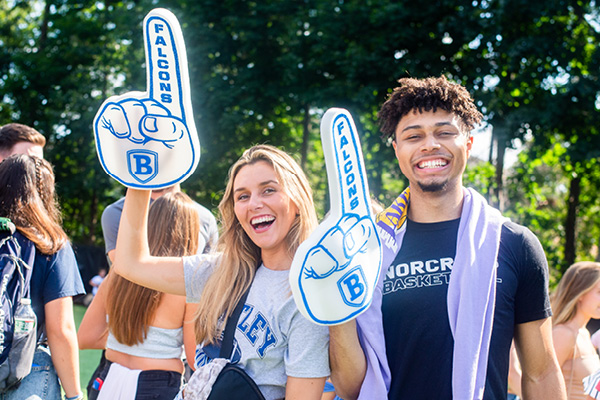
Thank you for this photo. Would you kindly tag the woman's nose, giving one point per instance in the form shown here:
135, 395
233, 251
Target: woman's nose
255, 202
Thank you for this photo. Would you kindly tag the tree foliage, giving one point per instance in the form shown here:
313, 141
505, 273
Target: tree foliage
264, 72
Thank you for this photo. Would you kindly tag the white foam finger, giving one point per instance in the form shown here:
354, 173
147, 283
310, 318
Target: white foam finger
159, 128
166, 63
114, 121
357, 237
148, 139
320, 263
348, 187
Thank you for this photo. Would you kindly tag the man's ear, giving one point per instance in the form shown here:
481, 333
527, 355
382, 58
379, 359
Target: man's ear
469, 144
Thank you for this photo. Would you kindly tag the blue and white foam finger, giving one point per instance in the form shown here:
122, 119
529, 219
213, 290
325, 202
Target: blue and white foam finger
148, 139
335, 271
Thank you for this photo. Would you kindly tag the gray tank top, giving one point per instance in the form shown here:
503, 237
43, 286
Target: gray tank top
160, 343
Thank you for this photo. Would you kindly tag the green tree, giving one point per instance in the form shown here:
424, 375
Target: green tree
266, 72
60, 60
528, 52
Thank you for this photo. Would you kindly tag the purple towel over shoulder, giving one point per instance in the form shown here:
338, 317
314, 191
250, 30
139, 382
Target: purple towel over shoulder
471, 296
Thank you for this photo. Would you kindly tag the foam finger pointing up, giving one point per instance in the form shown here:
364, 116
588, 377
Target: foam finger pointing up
348, 187
166, 63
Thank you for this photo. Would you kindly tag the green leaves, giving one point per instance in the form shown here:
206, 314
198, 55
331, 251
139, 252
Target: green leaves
264, 72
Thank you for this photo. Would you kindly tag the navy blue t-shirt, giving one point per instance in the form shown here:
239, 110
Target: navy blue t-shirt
419, 341
53, 277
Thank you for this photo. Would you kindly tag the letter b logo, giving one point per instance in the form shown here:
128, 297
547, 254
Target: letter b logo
353, 287
142, 164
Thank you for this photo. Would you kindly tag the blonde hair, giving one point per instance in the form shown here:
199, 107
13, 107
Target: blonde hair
173, 229
578, 280
240, 256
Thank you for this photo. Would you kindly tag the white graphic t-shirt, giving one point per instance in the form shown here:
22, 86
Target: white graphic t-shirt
272, 340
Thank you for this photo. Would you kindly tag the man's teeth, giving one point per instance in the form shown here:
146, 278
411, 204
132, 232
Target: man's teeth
432, 164
263, 219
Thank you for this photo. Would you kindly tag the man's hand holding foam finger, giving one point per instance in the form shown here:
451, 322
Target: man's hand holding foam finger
148, 139
335, 271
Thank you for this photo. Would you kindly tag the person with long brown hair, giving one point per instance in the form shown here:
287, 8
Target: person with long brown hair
142, 329
29, 200
266, 212
575, 301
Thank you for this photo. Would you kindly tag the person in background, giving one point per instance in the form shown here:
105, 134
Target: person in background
31, 205
575, 301
267, 210
207, 236
20, 139
146, 328
111, 216
97, 280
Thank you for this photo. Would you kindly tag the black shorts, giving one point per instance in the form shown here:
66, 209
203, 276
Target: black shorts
152, 384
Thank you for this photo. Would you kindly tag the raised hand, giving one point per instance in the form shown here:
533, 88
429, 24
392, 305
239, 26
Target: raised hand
334, 272
148, 139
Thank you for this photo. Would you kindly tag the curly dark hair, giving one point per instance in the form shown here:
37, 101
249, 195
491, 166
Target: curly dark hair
427, 94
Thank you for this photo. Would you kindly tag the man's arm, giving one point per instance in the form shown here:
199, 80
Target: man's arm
514, 372
347, 360
542, 377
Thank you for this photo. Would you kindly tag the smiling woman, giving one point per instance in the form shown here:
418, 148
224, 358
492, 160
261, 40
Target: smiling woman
266, 212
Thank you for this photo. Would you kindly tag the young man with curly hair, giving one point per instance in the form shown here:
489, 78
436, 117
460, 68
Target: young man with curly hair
459, 280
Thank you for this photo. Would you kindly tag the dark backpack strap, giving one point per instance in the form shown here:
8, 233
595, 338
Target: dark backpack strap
229, 332
25, 251
28, 256
22, 250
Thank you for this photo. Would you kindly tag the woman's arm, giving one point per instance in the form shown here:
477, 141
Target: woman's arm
132, 256
93, 329
304, 388
189, 333
62, 339
564, 342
